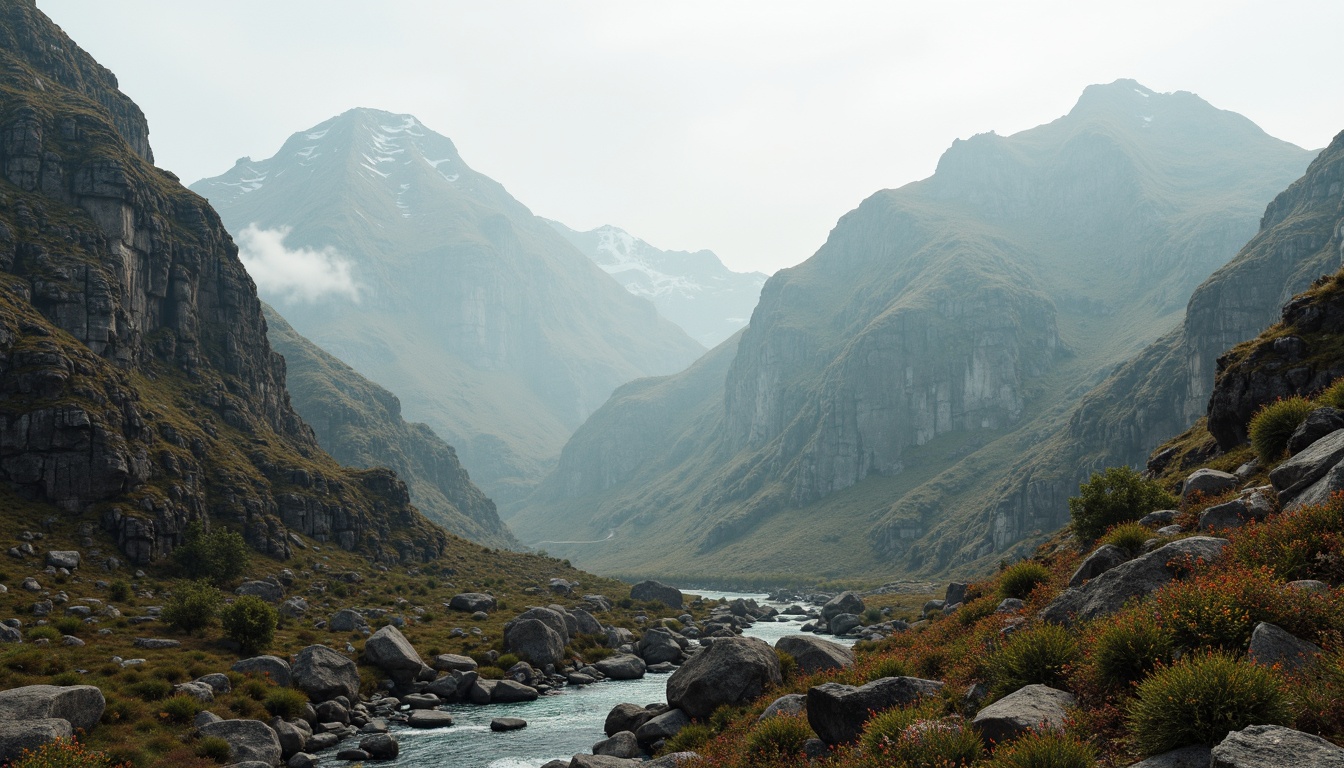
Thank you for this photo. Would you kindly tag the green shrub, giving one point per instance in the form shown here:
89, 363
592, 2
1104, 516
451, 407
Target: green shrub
44, 632
1200, 699
250, 622
193, 606
506, 661
1274, 423
1128, 648
915, 737
1019, 579
152, 689
119, 591
213, 748
778, 738
218, 556
889, 666
61, 753
1042, 654
872, 615
1129, 537
490, 673
1333, 395
172, 673
690, 738
1044, 750
787, 664
68, 678
255, 688
885, 728
1308, 544
976, 610
69, 625
1115, 495
180, 708
287, 703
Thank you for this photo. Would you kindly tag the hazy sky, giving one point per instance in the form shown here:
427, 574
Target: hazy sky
746, 128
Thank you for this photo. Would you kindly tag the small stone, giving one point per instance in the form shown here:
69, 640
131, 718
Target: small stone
507, 723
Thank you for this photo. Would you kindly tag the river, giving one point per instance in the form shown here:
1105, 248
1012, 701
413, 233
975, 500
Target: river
558, 726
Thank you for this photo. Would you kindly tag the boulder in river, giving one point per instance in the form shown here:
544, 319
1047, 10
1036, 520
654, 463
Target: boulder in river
732, 671
814, 654
845, 602
621, 667
534, 641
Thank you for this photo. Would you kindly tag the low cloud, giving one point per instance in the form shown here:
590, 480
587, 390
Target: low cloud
294, 274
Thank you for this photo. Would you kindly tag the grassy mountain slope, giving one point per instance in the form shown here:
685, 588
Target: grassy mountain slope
488, 325
359, 423
877, 408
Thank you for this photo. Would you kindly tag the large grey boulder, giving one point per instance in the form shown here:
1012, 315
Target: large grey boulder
1271, 645
347, 620
292, 740
429, 718
1102, 559
18, 735
266, 590
1318, 424
1207, 482
535, 642
471, 602
1235, 513
619, 744
663, 726
1262, 746
510, 691
1307, 470
626, 717
273, 667
734, 670
1185, 757
1032, 708
390, 651
1106, 593
657, 592
293, 608
380, 746
838, 712
657, 645
80, 705
548, 616
248, 740
448, 662
324, 674
814, 654
843, 623
845, 602
587, 624
63, 558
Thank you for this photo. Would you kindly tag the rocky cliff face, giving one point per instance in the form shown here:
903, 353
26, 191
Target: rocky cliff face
890, 402
359, 423
488, 325
140, 386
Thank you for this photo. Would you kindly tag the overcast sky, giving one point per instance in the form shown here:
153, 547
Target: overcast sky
746, 128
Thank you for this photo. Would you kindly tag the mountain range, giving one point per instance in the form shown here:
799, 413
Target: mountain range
374, 239
873, 417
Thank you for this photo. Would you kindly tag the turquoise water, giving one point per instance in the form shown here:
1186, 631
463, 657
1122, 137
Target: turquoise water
558, 725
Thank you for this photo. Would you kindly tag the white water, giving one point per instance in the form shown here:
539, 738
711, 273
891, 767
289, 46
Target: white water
559, 725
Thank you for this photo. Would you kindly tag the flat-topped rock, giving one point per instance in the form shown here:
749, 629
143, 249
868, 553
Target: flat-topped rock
814, 654
429, 718
1262, 746
837, 712
80, 705
507, 723
1031, 708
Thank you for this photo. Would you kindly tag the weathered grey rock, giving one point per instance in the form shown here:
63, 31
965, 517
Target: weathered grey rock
654, 591
620, 744
1158, 519
501, 724
347, 620
248, 740
552, 618
586, 623
272, 667
390, 651
447, 662
1207, 482
814, 654
380, 746
266, 590
10, 634
219, 682
294, 607
198, 691
321, 742
471, 602
1271, 645
156, 643
1231, 514
353, 755
657, 645
421, 700
205, 717
663, 726
80, 705
63, 558
535, 642
672, 760
845, 602
302, 760
1185, 757
956, 593
509, 691
1262, 746
602, 761
1310, 585
788, 704
838, 712
1102, 559
325, 674
30, 734
1010, 605
292, 740
1027, 709
1317, 425
626, 717
1295, 476
333, 712
429, 718
844, 622
732, 671
1106, 593
621, 667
